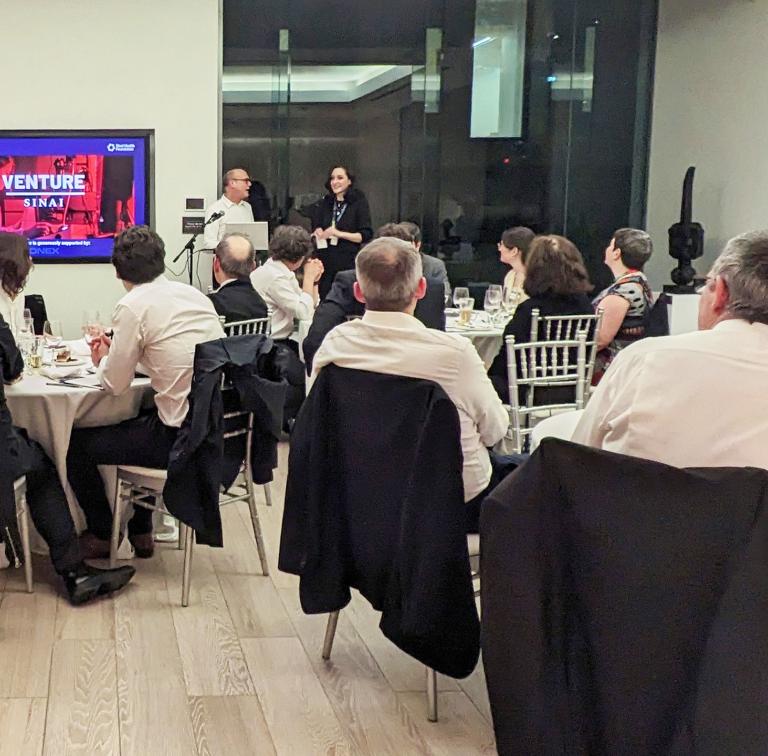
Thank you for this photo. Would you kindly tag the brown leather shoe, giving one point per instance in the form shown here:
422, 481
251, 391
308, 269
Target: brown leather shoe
143, 544
92, 547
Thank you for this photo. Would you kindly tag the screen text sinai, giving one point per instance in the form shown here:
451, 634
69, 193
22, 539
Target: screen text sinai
33, 186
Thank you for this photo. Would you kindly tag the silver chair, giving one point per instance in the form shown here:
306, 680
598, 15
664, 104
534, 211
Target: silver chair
473, 546
567, 328
22, 518
543, 365
248, 327
143, 486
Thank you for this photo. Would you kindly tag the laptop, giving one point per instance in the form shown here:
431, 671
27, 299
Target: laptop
257, 232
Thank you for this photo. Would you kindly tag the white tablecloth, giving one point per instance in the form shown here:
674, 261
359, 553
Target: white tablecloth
50, 412
487, 338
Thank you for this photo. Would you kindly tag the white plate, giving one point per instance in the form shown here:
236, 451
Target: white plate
70, 363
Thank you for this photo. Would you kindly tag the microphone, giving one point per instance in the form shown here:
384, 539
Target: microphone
214, 217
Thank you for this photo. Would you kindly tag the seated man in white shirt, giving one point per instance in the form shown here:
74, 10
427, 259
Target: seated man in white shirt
289, 250
697, 399
389, 339
233, 204
157, 324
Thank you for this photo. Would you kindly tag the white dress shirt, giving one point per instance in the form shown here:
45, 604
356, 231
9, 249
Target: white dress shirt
395, 343
12, 310
233, 213
159, 324
695, 400
280, 289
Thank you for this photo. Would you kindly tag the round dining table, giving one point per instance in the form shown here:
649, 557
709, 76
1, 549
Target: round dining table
486, 335
49, 408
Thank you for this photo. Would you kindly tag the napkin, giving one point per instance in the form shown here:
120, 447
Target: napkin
62, 371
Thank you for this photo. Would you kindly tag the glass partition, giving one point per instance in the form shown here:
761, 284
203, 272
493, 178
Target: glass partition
467, 117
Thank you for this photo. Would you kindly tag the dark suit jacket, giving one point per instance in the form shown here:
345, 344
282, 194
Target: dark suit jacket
625, 606
341, 304
383, 511
201, 461
239, 301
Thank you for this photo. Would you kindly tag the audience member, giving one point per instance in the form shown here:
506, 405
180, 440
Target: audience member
513, 251
433, 267
19, 455
289, 251
236, 299
388, 339
556, 283
157, 324
15, 265
626, 302
340, 305
697, 399
233, 203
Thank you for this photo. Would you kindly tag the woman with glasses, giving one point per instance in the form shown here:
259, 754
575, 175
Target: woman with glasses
342, 224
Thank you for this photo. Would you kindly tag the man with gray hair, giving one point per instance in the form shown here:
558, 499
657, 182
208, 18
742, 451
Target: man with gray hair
236, 299
389, 339
697, 399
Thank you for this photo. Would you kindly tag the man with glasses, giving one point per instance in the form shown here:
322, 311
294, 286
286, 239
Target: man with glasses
697, 399
233, 203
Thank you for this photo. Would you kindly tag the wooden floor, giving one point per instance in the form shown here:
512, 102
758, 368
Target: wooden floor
237, 672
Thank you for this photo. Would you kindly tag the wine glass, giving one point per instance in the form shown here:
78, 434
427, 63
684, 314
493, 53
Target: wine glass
28, 322
492, 302
52, 333
91, 325
511, 298
459, 293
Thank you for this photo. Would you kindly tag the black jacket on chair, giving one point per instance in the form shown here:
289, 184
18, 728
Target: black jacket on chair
238, 300
200, 463
625, 606
374, 501
340, 304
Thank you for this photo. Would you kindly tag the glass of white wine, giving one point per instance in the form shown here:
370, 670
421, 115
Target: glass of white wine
91, 325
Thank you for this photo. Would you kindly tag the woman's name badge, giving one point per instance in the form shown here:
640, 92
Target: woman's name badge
321, 243
333, 241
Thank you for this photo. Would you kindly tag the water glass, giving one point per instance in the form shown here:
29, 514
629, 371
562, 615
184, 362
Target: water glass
91, 325
459, 293
492, 301
511, 299
52, 333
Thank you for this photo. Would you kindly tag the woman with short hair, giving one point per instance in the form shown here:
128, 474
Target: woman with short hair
556, 283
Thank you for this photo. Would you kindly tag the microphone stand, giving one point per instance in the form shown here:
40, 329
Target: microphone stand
189, 247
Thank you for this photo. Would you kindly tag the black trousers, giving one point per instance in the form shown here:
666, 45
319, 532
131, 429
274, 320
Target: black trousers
143, 440
501, 466
296, 377
48, 505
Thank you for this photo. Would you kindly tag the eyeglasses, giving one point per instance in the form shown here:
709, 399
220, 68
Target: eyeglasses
247, 180
707, 280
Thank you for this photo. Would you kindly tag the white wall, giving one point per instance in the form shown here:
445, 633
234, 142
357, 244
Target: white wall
104, 64
711, 111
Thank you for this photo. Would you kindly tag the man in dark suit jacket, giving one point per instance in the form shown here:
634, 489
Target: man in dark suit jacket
236, 299
341, 304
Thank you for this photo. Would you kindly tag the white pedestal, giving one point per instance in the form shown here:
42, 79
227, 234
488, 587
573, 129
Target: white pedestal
683, 313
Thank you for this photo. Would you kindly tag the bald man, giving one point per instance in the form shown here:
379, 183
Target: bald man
236, 299
233, 203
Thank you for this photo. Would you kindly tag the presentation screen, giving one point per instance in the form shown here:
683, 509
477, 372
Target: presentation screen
70, 192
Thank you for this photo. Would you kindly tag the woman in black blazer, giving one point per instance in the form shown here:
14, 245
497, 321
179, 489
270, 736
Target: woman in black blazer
342, 220
556, 282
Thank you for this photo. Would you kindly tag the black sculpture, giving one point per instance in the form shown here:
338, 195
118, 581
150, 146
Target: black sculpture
686, 241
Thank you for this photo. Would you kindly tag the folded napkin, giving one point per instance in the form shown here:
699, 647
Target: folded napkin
57, 372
